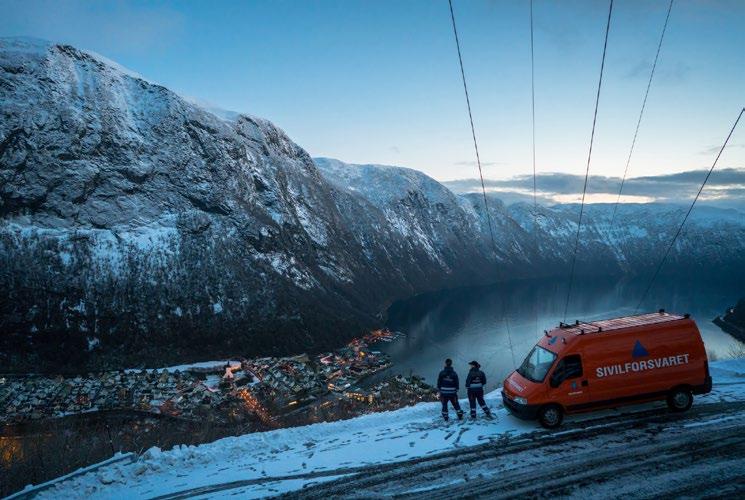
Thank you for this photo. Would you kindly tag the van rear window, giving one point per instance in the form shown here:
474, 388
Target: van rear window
537, 364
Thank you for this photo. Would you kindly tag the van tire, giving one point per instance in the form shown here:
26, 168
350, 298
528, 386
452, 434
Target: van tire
680, 399
550, 416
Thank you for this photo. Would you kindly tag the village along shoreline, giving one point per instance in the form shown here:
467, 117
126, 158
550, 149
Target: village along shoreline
52, 424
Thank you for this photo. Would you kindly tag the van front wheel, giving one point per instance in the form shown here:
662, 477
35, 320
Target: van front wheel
680, 399
550, 416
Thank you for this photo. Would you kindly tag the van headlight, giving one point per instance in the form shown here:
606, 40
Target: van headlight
520, 400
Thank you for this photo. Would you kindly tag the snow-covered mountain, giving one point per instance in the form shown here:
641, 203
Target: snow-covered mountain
710, 244
432, 217
131, 217
138, 218
141, 219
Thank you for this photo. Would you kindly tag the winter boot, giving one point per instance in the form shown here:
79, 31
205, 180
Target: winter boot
460, 414
487, 412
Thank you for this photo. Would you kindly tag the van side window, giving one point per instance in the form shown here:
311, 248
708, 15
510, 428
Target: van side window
569, 367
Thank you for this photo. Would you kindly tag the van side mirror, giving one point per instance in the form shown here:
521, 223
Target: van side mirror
555, 380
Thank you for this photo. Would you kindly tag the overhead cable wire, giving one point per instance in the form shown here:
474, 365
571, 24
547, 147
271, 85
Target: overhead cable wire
509, 340
532, 112
587, 170
473, 129
680, 228
641, 113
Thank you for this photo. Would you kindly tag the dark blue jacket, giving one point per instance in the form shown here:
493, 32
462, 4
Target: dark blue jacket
475, 379
447, 381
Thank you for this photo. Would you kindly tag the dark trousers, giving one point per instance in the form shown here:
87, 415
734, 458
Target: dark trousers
477, 395
453, 399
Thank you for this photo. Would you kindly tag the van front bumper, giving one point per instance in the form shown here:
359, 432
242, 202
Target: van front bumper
526, 412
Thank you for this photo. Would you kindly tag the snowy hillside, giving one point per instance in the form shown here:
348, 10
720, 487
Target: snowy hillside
433, 217
269, 463
128, 210
131, 217
411, 217
710, 245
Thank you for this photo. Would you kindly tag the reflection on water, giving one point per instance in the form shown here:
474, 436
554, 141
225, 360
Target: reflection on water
481, 323
35, 451
10, 451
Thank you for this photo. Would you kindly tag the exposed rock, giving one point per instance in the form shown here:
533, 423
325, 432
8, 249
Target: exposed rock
733, 321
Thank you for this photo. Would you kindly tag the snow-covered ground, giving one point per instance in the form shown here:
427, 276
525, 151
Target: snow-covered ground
284, 460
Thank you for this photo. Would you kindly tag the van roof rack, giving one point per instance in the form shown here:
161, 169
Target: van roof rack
606, 325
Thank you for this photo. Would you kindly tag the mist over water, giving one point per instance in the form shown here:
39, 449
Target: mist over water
481, 323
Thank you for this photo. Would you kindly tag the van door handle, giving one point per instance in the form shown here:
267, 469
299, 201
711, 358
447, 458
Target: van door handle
584, 383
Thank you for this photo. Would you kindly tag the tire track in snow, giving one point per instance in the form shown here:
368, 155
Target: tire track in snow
359, 478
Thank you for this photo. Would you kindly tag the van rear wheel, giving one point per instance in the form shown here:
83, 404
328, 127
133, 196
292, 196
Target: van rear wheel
680, 399
550, 416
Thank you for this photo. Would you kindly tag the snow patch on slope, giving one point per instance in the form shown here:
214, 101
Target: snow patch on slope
117, 66
288, 266
108, 248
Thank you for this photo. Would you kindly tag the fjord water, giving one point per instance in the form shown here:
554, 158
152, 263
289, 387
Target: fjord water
481, 323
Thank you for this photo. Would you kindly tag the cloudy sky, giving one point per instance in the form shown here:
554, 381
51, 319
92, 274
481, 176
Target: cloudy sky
725, 188
378, 81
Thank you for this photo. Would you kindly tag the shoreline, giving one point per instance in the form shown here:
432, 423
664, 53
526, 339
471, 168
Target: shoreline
268, 388
737, 332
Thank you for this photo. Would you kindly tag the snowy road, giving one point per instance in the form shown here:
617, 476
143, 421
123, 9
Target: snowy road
653, 454
411, 452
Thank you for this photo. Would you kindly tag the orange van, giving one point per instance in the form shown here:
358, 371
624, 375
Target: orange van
603, 364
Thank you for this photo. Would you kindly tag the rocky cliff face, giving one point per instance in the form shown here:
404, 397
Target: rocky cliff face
142, 220
132, 218
137, 227
711, 243
430, 218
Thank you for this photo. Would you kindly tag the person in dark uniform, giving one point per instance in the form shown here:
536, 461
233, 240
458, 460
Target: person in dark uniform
448, 385
475, 382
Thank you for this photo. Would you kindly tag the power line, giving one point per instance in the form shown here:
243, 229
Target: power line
509, 340
641, 113
473, 129
532, 111
677, 233
587, 170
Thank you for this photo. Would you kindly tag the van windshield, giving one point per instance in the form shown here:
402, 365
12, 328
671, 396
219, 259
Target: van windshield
536, 364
